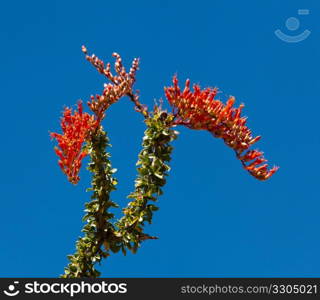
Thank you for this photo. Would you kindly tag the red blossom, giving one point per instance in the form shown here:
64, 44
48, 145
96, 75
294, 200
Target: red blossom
121, 84
76, 129
198, 109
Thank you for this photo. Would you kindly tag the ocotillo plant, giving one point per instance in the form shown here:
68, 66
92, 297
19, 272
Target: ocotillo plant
83, 134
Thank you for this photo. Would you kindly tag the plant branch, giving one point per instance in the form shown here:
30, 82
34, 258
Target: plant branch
98, 229
152, 170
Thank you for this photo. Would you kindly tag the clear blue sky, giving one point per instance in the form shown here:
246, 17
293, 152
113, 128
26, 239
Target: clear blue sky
215, 219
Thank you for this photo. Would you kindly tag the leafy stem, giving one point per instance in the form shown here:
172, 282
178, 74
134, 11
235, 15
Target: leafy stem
98, 228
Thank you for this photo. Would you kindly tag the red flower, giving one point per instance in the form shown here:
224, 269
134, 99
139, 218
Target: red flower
121, 83
76, 129
199, 110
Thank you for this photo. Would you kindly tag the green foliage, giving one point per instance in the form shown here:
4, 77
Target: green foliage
152, 170
101, 235
98, 227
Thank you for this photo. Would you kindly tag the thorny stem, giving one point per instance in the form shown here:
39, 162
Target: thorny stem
126, 233
98, 228
153, 168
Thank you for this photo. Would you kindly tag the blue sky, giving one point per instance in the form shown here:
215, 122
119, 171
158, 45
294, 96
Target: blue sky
215, 220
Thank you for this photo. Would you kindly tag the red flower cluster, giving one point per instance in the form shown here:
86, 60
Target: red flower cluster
121, 84
199, 110
76, 129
